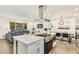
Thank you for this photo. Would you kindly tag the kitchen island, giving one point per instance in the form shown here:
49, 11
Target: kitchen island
28, 44
49, 41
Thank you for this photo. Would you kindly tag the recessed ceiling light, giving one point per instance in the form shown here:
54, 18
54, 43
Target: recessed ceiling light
31, 16
76, 9
48, 15
74, 14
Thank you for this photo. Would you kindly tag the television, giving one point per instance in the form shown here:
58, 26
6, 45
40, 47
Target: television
39, 25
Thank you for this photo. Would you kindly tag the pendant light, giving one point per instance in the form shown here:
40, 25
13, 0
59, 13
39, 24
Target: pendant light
61, 22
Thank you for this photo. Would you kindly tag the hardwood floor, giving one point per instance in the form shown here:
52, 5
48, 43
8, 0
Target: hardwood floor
5, 47
65, 48
61, 48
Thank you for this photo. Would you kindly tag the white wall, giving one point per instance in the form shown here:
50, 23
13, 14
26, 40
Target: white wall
34, 25
4, 26
68, 22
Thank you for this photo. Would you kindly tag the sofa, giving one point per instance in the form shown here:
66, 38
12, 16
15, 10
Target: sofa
10, 35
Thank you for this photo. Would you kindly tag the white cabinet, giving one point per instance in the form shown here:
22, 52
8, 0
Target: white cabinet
33, 48
28, 44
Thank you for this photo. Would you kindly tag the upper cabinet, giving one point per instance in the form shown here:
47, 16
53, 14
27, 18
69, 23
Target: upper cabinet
17, 26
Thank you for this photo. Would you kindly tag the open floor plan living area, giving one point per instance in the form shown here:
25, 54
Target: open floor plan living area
39, 29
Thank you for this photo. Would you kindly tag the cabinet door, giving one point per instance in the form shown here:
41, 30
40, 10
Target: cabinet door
21, 48
25, 26
12, 26
33, 51
36, 47
40, 50
48, 47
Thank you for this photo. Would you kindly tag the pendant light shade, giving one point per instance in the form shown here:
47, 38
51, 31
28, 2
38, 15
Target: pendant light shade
61, 22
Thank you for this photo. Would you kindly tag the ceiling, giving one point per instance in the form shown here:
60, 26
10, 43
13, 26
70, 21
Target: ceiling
22, 11
55, 11
32, 11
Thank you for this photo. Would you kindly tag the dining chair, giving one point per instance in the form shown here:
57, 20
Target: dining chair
58, 36
67, 37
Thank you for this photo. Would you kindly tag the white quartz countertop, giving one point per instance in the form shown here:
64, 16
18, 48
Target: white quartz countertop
27, 39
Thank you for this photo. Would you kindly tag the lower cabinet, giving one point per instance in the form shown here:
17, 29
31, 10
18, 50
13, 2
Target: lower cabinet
48, 46
33, 48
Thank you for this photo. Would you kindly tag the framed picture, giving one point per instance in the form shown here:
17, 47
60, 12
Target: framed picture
39, 25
